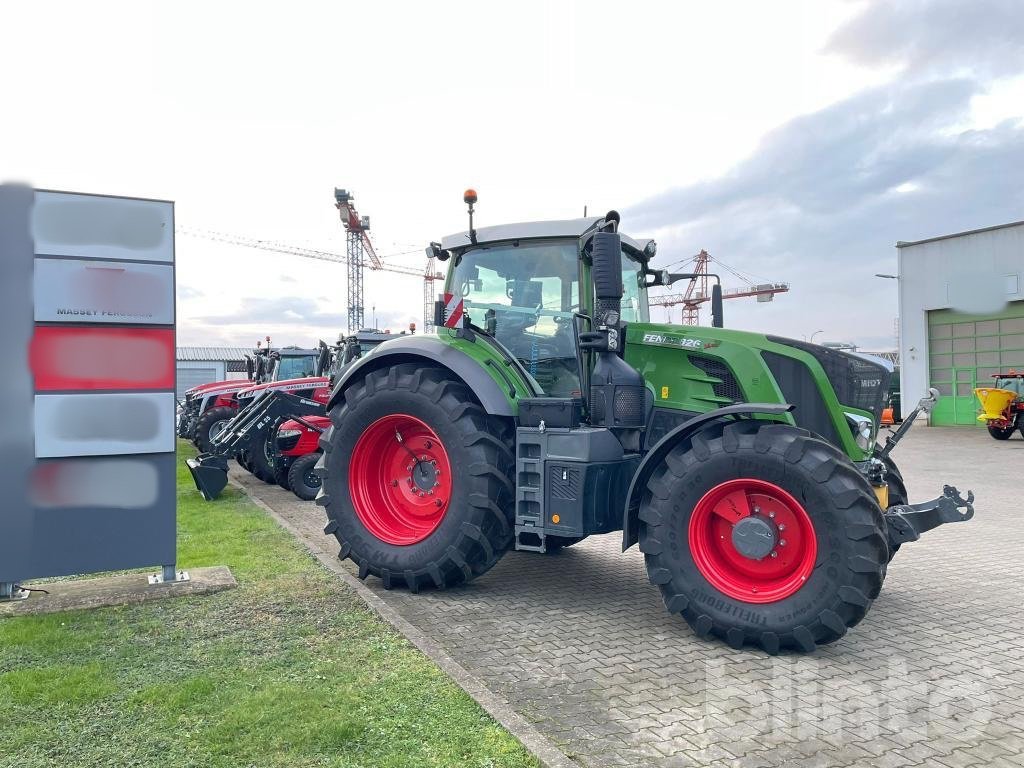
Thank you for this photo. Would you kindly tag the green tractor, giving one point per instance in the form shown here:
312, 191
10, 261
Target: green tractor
547, 408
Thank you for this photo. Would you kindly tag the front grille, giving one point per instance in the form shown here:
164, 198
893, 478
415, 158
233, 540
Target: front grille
801, 391
727, 387
287, 443
858, 382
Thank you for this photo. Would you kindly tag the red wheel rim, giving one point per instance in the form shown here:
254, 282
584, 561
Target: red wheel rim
752, 580
400, 479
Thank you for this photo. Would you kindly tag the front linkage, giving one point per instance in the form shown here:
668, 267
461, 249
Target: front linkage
906, 522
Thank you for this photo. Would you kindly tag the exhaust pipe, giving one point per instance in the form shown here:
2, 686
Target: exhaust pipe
209, 473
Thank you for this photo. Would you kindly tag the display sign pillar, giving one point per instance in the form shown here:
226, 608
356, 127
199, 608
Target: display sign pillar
87, 446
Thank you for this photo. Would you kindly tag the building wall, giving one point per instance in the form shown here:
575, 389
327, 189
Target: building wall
934, 275
189, 371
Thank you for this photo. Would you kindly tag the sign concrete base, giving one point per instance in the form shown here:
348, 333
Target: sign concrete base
123, 589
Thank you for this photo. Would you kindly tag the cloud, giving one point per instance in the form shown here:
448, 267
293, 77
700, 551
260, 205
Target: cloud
188, 292
276, 311
824, 197
983, 37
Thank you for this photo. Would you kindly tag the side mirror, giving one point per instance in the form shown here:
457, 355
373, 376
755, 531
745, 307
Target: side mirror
434, 251
716, 305
439, 308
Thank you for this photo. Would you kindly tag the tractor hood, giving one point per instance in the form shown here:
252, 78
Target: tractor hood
694, 368
289, 385
218, 387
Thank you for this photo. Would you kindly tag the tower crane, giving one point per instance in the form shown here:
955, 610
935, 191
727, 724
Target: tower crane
696, 292
429, 274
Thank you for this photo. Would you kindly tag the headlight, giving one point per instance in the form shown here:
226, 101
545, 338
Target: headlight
288, 433
863, 430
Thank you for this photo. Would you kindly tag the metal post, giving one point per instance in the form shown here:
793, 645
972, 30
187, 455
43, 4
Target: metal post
169, 574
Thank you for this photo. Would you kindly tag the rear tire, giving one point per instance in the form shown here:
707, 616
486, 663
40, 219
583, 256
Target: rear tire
1003, 433
304, 481
210, 424
403, 538
811, 593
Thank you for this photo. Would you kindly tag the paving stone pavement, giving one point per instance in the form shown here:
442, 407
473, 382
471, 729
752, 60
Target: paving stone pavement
580, 645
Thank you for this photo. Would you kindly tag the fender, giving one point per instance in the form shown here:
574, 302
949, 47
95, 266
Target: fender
654, 457
495, 399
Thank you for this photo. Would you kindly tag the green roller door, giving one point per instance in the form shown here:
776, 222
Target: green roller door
964, 351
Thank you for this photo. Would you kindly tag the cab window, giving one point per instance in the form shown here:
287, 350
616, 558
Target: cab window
532, 290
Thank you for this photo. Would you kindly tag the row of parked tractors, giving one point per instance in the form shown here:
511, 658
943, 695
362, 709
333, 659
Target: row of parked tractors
269, 422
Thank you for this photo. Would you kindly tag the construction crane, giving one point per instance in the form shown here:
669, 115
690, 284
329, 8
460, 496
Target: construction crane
696, 292
358, 246
429, 275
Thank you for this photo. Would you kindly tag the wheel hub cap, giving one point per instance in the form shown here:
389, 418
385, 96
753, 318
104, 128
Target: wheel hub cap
755, 537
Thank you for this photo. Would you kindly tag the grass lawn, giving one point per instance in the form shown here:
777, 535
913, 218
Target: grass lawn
290, 669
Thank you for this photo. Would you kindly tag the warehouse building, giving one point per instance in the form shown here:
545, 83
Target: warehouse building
961, 314
201, 365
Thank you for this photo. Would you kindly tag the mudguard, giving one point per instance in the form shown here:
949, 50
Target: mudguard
496, 399
658, 453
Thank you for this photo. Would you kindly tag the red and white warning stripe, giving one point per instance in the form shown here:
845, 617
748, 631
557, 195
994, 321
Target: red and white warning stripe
453, 310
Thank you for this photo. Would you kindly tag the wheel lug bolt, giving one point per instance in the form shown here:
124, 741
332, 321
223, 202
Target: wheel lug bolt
757, 510
434, 462
775, 554
782, 526
782, 542
771, 514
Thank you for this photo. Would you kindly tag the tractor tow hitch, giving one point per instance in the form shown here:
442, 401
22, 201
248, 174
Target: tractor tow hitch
906, 522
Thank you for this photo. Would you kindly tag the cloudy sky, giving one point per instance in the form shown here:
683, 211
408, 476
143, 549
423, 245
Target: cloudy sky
794, 141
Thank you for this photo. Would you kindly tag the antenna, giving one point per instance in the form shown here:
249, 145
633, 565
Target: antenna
469, 198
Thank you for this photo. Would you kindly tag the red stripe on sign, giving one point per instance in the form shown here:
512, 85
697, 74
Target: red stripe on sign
85, 358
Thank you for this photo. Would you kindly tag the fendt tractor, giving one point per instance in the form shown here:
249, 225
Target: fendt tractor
208, 407
548, 408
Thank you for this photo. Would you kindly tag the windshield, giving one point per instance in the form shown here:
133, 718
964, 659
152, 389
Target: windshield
295, 367
533, 291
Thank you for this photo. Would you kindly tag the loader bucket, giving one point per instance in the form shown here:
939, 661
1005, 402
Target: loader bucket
994, 402
210, 474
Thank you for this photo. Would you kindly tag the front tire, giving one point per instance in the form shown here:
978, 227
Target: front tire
805, 502
390, 490
302, 477
211, 424
262, 458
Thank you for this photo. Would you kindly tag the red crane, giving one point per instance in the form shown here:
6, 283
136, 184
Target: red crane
697, 293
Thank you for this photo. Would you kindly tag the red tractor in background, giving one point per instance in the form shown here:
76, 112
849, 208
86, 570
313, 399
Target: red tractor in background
297, 450
208, 407
296, 447
248, 434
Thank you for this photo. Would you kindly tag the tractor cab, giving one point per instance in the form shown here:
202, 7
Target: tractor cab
520, 283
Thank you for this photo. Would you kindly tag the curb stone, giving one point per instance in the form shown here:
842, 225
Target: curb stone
536, 743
